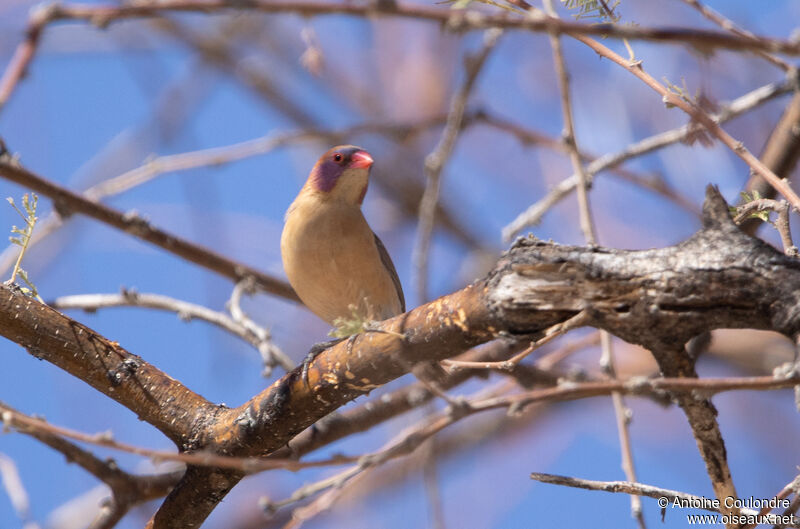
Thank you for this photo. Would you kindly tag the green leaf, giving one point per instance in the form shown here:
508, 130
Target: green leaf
24, 275
763, 215
593, 9
29, 203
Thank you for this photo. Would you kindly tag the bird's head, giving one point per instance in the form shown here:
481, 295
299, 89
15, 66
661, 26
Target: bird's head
342, 173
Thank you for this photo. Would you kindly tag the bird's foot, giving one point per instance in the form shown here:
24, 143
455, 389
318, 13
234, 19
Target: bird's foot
314, 352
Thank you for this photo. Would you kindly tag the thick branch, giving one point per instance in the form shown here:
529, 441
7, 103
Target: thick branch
659, 298
718, 278
103, 364
702, 417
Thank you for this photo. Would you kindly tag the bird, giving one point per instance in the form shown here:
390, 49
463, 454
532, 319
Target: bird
338, 266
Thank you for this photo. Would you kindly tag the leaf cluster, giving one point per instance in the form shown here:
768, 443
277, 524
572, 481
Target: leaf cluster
22, 237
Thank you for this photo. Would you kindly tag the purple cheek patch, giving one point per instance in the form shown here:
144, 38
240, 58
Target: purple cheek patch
326, 175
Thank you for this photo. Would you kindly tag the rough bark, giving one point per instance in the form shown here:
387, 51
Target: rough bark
659, 298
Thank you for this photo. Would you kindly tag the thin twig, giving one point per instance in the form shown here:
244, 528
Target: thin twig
728, 25
402, 444
749, 209
461, 20
26, 50
186, 311
549, 361
550, 334
754, 206
127, 490
457, 20
784, 229
781, 153
271, 354
666, 497
735, 108
527, 136
584, 208
623, 416
325, 501
621, 411
412, 438
793, 487
793, 507
437, 159
700, 116
13, 419
137, 226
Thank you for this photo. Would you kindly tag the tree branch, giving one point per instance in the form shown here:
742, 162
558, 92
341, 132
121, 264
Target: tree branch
131, 223
649, 297
437, 159
660, 298
627, 487
103, 364
735, 108
781, 153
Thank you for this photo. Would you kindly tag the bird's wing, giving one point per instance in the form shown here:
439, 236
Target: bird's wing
389, 265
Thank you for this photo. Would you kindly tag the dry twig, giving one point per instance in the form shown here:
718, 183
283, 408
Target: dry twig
437, 159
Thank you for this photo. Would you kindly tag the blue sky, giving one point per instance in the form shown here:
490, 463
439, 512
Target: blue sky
99, 102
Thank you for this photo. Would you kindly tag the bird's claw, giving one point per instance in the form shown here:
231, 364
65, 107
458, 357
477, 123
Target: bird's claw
314, 352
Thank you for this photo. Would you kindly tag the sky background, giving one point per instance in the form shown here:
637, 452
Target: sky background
98, 102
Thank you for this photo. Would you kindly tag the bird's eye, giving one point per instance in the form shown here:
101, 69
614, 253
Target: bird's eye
337, 157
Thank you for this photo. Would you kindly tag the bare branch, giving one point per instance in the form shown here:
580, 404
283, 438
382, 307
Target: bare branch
728, 25
584, 211
735, 108
701, 117
437, 159
251, 333
271, 354
666, 497
534, 286
456, 20
578, 320
40, 429
781, 153
133, 224
127, 490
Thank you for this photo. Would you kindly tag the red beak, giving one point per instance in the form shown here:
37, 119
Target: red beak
360, 160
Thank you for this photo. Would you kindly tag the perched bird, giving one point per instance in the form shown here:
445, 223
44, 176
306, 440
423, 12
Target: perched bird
335, 262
